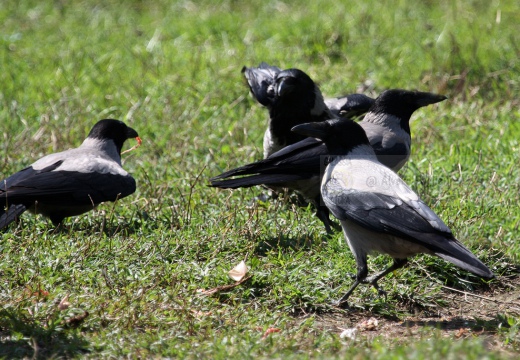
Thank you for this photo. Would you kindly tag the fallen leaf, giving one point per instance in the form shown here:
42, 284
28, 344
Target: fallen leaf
76, 321
64, 303
201, 314
239, 271
461, 332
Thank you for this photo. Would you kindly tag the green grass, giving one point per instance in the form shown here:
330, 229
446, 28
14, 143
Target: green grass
171, 70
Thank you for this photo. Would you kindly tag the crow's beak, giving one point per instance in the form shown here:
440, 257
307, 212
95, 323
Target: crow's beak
131, 133
318, 130
429, 98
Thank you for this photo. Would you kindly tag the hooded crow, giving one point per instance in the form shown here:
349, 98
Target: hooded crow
378, 211
349, 106
299, 166
387, 124
74, 181
293, 98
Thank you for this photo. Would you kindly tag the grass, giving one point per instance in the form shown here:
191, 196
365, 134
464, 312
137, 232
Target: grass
132, 272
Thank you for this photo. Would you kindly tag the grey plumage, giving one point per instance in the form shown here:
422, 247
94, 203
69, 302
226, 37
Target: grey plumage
349, 106
387, 124
379, 213
299, 166
74, 181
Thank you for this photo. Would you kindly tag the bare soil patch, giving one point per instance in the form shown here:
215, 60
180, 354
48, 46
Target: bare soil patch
463, 315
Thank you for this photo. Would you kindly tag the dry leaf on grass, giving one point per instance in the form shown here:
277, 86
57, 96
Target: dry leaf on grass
239, 271
348, 333
270, 331
77, 320
461, 332
64, 303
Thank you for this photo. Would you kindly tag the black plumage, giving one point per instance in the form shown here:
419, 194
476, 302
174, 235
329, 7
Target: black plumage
293, 98
379, 213
74, 181
299, 166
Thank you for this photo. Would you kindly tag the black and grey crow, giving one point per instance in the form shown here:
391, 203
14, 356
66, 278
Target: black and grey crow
299, 166
387, 124
349, 106
74, 181
293, 98
379, 213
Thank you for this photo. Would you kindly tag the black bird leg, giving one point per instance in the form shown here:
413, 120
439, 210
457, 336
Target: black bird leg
322, 212
360, 277
397, 264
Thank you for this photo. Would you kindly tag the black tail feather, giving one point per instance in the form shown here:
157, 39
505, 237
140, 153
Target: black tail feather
12, 213
254, 180
454, 252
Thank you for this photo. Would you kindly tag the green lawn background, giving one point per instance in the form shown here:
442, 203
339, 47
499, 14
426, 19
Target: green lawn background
171, 70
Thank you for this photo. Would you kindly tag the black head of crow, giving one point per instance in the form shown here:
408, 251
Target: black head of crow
387, 124
296, 99
74, 181
402, 104
379, 213
291, 97
112, 130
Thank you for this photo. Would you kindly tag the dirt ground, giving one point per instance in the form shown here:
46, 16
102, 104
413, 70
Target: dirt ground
463, 315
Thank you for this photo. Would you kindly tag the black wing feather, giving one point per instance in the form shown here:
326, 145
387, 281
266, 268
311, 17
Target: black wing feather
303, 158
386, 214
64, 187
14, 211
254, 180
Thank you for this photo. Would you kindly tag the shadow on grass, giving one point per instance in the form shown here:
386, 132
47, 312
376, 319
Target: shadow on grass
456, 323
22, 338
285, 243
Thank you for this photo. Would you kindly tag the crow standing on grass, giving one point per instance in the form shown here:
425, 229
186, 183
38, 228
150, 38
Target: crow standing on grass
379, 213
299, 166
74, 181
293, 98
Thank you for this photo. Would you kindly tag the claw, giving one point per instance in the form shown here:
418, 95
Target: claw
340, 304
380, 291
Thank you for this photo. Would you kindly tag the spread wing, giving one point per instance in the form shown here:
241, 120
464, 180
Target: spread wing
299, 161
